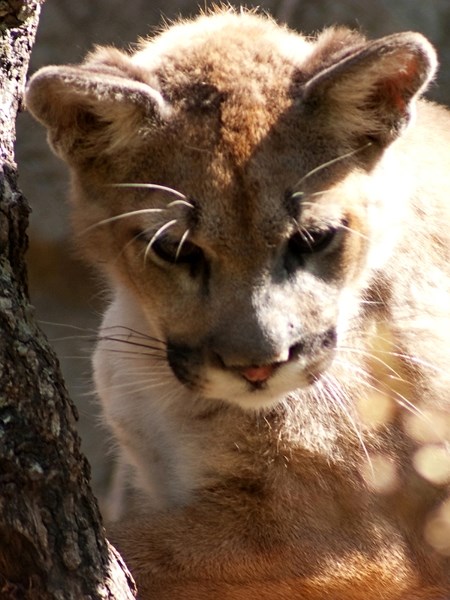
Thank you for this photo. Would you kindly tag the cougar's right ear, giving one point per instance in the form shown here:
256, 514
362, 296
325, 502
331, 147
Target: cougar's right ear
99, 106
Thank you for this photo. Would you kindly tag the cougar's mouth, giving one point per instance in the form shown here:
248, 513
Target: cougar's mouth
258, 376
205, 371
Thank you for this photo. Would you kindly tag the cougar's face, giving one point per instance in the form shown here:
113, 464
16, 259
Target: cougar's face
243, 283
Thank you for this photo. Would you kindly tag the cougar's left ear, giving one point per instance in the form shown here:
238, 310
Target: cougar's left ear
95, 107
370, 92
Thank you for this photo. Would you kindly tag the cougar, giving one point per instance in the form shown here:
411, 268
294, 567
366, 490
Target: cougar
271, 213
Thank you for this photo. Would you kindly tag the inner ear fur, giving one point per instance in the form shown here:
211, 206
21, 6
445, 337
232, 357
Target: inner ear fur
94, 107
369, 93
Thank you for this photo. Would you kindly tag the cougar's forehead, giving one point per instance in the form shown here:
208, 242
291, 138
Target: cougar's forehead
237, 73
222, 47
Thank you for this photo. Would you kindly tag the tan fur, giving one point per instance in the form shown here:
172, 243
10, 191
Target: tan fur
255, 387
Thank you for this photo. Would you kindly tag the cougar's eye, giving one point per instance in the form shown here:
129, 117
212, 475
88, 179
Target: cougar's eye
177, 251
309, 241
171, 250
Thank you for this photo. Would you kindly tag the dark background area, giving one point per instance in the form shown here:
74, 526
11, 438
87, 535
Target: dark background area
67, 300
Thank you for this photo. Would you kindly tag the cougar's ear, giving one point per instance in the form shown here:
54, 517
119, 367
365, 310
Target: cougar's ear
98, 106
369, 92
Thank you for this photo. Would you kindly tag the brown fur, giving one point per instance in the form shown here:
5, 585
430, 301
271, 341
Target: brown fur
244, 489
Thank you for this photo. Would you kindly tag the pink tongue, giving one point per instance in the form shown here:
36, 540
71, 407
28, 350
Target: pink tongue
257, 374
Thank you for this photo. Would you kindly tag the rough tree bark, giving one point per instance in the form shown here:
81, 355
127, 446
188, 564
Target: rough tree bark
52, 543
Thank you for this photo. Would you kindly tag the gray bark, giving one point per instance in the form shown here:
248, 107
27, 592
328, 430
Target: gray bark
52, 543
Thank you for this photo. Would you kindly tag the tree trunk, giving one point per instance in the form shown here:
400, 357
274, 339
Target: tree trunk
52, 543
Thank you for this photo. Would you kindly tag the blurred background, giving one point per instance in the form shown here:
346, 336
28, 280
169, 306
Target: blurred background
67, 298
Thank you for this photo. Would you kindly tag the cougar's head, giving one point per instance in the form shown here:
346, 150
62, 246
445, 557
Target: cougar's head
230, 174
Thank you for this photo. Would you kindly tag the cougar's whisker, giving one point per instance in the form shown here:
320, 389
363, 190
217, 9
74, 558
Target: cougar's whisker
151, 186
